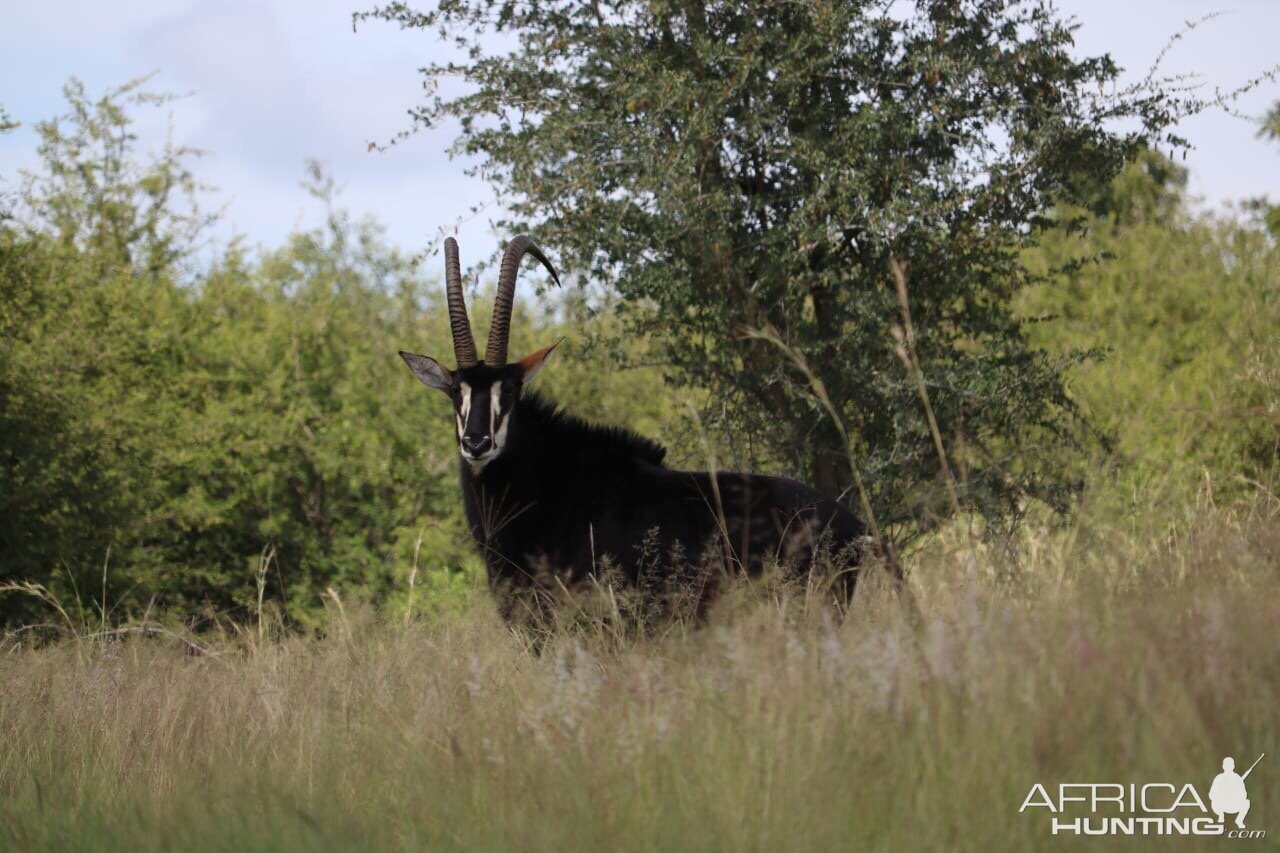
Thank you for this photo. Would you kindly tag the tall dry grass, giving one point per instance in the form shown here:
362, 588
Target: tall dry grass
1107, 653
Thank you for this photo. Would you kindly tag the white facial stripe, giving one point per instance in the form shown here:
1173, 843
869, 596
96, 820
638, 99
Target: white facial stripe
495, 391
464, 389
500, 437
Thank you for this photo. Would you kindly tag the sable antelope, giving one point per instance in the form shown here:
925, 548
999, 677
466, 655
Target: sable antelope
545, 490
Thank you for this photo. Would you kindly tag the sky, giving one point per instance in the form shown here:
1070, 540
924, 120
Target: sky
274, 83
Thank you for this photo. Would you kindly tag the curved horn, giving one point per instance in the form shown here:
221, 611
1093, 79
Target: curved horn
464, 346
500, 329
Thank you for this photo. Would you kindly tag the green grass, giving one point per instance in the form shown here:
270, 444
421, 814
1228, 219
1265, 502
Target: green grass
1108, 653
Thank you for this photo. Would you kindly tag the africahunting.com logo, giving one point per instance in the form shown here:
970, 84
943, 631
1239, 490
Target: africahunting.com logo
1157, 808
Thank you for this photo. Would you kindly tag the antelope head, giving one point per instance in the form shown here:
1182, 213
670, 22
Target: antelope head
484, 393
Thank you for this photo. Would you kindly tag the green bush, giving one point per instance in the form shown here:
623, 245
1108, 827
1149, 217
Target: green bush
1188, 308
231, 438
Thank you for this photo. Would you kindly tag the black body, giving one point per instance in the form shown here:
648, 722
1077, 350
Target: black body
567, 498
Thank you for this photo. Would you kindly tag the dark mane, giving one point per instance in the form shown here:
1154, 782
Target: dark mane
581, 435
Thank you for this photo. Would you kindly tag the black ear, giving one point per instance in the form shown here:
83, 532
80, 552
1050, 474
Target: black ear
429, 371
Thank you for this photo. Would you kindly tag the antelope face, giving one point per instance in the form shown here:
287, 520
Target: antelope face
483, 399
484, 393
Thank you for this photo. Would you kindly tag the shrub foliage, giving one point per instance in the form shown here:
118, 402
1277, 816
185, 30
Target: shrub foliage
204, 429
730, 167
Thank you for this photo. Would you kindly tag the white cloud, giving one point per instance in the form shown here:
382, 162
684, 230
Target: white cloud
281, 83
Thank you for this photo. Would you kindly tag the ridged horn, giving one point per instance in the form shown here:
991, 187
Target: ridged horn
500, 329
464, 346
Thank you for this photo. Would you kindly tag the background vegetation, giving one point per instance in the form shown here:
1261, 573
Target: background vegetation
204, 438
744, 175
